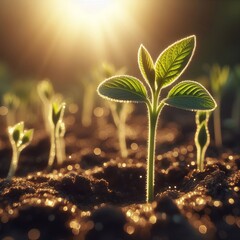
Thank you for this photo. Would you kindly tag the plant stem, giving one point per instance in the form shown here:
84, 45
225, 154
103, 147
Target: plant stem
151, 155
153, 113
200, 159
52, 153
122, 139
14, 162
88, 103
217, 123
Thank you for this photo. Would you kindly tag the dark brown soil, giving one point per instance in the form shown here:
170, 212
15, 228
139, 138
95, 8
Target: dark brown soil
97, 195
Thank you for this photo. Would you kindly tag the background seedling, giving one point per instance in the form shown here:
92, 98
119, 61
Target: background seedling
57, 148
19, 139
120, 111
12, 102
218, 80
89, 84
46, 94
187, 95
202, 137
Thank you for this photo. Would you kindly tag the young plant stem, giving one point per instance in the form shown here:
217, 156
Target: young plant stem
52, 153
200, 159
122, 139
153, 114
217, 123
14, 162
88, 106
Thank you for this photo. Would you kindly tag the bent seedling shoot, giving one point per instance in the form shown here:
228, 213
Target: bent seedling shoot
169, 66
19, 139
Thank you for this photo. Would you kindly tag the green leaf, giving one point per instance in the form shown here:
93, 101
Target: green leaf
172, 61
57, 112
27, 136
190, 95
123, 88
146, 66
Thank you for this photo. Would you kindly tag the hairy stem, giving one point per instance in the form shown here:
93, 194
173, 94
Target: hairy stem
14, 162
151, 155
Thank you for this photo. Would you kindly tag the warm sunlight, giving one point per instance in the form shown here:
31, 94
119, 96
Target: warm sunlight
88, 11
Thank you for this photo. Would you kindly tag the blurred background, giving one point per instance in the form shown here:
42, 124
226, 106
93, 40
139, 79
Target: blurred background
63, 39
66, 41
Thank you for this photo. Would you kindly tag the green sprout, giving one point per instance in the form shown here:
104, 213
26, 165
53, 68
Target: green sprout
202, 137
19, 139
188, 95
57, 149
218, 80
12, 102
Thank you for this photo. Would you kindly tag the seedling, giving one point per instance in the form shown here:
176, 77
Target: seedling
89, 85
202, 137
19, 139
57, 149
46, 94
236, 104
188, 95
119, 110
218, 80
12, 102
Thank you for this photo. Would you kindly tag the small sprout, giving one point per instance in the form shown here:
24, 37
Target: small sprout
187, 95
19, 139
218, 80
46, 94
57, 148
120, 111
12, 102
202, 137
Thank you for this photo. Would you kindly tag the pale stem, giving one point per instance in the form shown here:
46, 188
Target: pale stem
60, 149
122, 139
88, 103
151, 155
217, 123
52, 153
236, 112
14, 162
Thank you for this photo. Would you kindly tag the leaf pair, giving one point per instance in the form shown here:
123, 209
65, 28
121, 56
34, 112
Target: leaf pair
19, 136
170, 64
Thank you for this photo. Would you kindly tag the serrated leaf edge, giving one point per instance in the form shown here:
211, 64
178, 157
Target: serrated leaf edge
190, 59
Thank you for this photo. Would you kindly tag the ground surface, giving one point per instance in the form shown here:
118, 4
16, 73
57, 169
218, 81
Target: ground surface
97, 195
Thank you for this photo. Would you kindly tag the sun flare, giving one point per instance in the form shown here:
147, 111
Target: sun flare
76, 12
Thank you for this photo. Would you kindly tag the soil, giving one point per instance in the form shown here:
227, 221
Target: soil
98, 195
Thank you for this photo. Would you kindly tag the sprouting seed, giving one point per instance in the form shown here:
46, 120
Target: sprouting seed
188, 95
19, 139
57, 148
